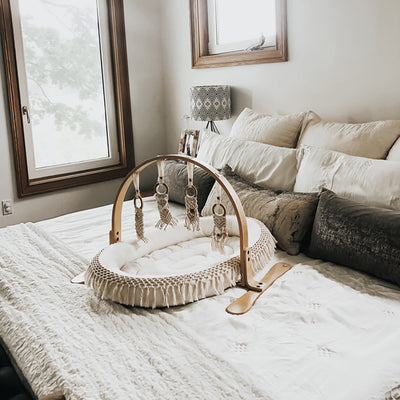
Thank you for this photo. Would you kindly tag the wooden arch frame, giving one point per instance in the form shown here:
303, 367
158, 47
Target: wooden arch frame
247, 279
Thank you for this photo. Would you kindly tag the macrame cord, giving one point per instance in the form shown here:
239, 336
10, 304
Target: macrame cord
166, 218
139, 224
192, 221
220, 232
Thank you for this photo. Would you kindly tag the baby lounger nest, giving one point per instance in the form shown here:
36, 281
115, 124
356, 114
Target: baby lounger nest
110, 273
117, 272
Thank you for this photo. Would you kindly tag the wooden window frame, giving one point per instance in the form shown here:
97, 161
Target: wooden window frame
27, 186
201, 58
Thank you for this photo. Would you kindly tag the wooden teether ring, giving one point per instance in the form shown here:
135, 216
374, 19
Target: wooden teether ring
223, 210
161, 184
141, 202
187, 188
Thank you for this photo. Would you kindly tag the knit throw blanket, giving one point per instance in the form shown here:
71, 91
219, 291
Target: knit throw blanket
66, 340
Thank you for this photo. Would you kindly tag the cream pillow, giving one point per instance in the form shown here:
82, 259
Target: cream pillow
394, 153
280, 130
368, 181
267, 166
370, 139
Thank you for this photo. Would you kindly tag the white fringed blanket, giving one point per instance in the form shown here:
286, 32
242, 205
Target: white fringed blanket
64, 338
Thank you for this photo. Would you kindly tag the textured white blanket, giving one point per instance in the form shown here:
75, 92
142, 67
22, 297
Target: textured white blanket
64, 338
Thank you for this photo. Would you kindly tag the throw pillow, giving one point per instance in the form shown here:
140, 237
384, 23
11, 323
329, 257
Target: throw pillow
394, 153
357, 236
268, 166
177, 179
370, 139
373, 182
287, 215
278, 130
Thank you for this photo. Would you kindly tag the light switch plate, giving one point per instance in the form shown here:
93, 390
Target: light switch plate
6, 207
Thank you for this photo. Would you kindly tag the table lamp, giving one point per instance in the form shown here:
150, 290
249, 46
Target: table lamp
210, 103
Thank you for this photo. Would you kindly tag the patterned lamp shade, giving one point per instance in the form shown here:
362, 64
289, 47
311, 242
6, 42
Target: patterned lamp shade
210, 103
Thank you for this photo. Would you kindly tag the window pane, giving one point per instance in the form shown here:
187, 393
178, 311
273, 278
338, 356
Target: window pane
242, 20
61, 45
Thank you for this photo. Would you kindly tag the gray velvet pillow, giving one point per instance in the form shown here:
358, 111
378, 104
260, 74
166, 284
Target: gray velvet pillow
358, 236
289, 216
176, 178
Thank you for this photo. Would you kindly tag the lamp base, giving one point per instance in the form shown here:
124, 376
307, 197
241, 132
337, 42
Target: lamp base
212, 126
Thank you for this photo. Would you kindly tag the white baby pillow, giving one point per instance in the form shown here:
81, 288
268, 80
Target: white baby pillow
373, 182
370, 139
280, 130
265, 165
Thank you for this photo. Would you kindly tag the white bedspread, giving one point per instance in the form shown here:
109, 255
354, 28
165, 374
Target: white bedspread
321, 332
64, 338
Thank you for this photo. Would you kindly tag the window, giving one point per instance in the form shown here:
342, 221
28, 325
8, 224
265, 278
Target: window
256, 21
68, 90
235, 32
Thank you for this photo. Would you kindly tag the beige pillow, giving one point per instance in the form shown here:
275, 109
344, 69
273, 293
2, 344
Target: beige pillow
267, 166
289, 216
368, 181
370, 139
280, 130
394, 153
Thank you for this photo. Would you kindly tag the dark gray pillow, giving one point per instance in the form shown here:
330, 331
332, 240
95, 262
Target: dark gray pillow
176, 178
357, 236
289, 216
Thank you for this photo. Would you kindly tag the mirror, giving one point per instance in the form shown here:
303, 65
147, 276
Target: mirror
237, 32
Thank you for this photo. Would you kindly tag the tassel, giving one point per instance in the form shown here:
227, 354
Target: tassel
192, 221
139, 224
220, 232
166, 217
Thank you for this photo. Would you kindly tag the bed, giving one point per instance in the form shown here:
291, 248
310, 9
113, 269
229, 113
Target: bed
322, 331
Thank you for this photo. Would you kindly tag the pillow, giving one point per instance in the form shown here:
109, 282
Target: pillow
268, 166
288, 216
394, 153
371, 139
373, 182
357, 236
176, 178
280, 130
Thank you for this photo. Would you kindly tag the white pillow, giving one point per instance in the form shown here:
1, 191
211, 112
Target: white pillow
280, 130
268, 166
394, 153
368, 181
370, 139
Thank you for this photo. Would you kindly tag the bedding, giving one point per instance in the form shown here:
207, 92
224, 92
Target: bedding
265, 165
368, 181
369, 139
277, 130
289, 216
358, 236
394, 153
321, 332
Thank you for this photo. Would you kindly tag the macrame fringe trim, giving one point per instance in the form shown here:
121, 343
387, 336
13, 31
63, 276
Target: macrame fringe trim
177, 290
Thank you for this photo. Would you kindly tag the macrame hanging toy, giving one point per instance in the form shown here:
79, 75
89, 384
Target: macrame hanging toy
192, 221
220, 232
115, 272
139, 224
161, 193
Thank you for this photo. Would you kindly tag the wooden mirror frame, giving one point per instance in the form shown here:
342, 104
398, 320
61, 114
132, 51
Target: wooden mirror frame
201, 58
27, 186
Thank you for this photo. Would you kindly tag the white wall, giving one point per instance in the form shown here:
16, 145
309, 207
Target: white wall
344, 63
142, 19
